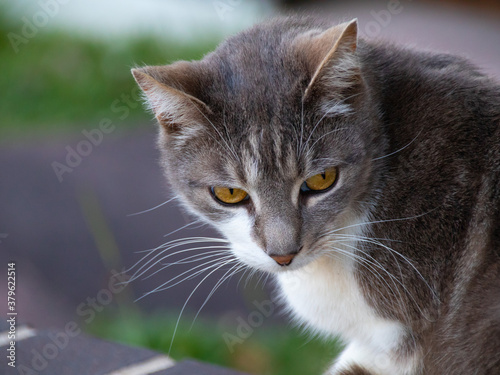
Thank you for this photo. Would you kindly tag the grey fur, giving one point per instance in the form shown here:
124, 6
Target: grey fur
418, 150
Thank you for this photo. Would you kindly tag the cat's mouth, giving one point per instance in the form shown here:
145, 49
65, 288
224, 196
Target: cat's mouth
292, 262
285, 260
305, 256
254, 256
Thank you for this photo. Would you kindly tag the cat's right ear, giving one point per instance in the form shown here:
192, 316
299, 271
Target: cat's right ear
170, 93
330, 58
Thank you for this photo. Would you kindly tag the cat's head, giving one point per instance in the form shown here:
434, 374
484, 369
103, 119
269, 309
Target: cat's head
270, 137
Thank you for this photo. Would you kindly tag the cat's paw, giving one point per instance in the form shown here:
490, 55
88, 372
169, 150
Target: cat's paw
359, 360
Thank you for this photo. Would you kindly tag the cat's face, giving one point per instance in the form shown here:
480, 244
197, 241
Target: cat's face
270, 142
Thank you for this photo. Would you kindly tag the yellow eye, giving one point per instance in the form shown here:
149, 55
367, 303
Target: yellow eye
229, 195
321, 181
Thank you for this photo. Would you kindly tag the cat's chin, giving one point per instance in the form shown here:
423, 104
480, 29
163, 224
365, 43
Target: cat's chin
298, 263
278, 270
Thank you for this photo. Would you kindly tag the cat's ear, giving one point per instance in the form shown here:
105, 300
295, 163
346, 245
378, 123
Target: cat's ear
171, 93
331, 58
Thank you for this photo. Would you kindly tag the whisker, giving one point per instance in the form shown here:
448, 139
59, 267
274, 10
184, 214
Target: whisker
334, 160
368, 240
253, 271
227, 147
234, 269
144, 251
324, 135
371, 267
197, 257
195, 274
401, 149
379, 221
321, 119
181, 228
227, 132
167, 246
356, 236
153, 208
208, 265
262, 274
189, 297
392, 251
393, 278
158, 261
375, 263
242, 275
183, 261
299, 149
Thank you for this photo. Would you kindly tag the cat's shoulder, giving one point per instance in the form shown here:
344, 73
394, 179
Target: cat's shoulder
397, 58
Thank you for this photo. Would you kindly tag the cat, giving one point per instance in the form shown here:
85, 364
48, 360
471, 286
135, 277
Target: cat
365, 176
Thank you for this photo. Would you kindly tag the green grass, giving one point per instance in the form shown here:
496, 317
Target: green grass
59, 81
269, 350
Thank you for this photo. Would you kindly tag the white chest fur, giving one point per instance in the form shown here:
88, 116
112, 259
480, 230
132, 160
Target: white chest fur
326, 296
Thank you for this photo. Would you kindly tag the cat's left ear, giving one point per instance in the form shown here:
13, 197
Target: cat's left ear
172, 92
331, 59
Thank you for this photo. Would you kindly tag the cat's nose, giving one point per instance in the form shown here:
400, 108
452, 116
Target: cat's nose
283, 260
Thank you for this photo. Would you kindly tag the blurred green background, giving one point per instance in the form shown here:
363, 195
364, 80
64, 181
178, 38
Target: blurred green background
273, 350
59, 81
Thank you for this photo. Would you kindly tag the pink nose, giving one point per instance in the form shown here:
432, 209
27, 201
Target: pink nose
283, 260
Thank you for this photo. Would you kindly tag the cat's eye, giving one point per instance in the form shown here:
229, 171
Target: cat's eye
229, 195
321, 181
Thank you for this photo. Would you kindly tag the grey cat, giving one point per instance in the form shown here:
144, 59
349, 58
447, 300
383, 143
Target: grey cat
365, 176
